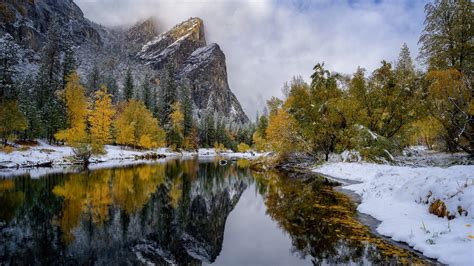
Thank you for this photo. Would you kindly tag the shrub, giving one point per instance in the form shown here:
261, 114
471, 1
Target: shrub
242, 147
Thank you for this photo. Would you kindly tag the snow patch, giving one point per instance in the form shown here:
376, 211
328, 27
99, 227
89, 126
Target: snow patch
399, 197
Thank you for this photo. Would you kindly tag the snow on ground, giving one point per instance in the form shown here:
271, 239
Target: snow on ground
21, 162
399, 197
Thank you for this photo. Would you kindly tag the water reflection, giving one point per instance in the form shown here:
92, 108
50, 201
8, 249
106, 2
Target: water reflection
176, 212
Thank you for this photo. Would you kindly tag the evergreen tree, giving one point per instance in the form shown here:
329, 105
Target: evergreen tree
169, 96
9, 52
69, 63
113, 88
187, 105
49, 83
128, 90
93, 81
147, 96
262, 126
28, 107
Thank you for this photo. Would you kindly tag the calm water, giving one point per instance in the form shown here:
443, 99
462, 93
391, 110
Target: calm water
183, 212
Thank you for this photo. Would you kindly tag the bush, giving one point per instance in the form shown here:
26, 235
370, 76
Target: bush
242, 147
219, 147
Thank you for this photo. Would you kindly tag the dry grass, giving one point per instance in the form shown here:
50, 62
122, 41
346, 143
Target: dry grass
438, 208
7, 149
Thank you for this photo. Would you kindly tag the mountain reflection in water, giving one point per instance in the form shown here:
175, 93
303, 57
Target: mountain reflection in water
176, 212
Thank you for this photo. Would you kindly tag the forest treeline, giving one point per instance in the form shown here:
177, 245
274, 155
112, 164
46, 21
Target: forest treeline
376, 114
55, 103
396, 105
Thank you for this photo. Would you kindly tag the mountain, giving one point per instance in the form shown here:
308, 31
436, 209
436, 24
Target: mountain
28, 21
142, 48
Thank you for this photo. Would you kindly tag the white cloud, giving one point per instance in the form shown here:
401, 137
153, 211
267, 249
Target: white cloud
267, 42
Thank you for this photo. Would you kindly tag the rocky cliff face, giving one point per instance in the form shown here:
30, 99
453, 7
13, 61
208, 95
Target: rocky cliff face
175, 45
28, 21
205, 74
199, 67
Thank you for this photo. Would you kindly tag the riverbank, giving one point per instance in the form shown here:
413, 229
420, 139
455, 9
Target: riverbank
43, 158
400, 197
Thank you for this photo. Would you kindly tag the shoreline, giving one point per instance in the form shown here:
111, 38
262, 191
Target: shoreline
45, 159
387, 194
368, 220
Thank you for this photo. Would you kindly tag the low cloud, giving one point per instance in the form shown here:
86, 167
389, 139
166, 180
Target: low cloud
267, 42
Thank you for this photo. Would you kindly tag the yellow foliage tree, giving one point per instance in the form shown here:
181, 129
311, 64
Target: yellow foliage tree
426, 131
175, 135
281, 131
191, 142
219, 147
258, 141
136, 126
450, 102
177, 117
11, 119
76, 103
242, 147
100, 119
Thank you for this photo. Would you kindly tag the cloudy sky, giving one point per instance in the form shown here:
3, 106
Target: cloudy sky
267, 42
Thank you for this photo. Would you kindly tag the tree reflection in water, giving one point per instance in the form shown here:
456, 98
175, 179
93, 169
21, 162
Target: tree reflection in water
173, 212
321, 222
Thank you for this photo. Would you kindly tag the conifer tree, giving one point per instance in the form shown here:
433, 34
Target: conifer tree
93, 81
49, 82
169, 96
187, 110
112, 88
9, 52
28, 107
128, 90
69, 64
147, 96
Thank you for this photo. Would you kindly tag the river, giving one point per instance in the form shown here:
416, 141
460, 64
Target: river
185, 212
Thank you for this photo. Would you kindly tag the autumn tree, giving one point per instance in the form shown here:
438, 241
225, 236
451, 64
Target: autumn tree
282, 135
11, 120
446, 41
77, 104
77, 108
136, 127
191, 141
175, 134
450, 102
100, 120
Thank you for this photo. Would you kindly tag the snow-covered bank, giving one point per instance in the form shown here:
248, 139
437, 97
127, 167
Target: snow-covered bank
23, 161
400, 196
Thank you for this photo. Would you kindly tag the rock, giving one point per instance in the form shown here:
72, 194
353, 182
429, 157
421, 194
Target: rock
174, 46
198, 66
205, 74
29, 21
